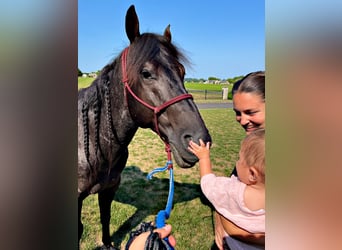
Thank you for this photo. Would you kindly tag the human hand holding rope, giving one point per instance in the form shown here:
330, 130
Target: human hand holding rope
143, 240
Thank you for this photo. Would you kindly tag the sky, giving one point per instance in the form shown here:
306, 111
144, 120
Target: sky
221, 38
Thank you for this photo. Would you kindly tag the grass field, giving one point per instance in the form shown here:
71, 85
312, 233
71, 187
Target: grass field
201, 92
206, 86
138, 199
86, 81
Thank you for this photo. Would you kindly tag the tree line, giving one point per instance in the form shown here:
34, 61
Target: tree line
196, 80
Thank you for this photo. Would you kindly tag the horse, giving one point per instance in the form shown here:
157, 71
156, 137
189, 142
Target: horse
142, 87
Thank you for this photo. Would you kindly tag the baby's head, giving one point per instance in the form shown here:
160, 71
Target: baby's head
252, 155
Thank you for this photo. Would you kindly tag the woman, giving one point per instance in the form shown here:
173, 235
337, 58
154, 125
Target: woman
249, 107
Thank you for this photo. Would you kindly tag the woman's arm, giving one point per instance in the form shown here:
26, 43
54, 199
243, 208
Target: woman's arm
239, 233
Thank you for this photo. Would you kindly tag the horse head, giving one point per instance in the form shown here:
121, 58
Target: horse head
153, 74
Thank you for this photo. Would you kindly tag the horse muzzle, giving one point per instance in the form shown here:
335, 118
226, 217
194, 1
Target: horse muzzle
183, 157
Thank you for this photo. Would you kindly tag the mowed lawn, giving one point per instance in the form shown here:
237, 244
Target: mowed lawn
86, 81
139, 199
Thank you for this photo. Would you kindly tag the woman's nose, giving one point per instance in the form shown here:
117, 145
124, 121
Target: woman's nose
244, 120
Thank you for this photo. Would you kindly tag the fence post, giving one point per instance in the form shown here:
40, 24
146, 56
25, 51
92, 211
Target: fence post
205, 94
225, 93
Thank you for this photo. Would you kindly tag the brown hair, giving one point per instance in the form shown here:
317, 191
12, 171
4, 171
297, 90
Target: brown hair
254, 83
253, 151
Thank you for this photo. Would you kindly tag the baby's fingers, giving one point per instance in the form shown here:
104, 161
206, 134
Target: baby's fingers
192, 146
201, 143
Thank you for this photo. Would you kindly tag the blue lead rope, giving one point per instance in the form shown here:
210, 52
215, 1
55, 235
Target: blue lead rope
163, 215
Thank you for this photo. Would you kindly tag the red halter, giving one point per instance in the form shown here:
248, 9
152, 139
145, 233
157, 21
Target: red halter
156, 110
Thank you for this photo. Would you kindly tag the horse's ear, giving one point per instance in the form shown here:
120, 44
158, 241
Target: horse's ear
167, 33
132, 24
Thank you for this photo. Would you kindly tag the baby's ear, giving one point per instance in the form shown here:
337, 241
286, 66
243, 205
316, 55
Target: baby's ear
253, 175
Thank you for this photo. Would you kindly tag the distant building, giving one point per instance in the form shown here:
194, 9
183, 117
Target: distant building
93, 75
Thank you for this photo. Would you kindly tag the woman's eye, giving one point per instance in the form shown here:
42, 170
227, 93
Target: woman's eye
146, 74
237, 113
250, 112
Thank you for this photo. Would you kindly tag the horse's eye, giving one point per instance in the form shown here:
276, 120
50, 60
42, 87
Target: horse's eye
146, 74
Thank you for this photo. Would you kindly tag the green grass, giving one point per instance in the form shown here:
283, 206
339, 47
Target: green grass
210, 87
196, 89
86, 81
138, 199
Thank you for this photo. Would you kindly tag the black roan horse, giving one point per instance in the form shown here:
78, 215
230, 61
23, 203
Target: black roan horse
109, 114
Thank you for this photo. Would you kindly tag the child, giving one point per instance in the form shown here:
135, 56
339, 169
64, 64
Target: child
240, 200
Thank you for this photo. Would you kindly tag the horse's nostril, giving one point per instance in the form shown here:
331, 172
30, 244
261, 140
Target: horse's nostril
188, 138
195, 138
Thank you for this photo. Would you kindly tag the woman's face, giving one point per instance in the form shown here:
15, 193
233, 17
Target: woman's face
249, 110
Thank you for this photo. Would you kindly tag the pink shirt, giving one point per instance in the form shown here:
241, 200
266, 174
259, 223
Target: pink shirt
226, 195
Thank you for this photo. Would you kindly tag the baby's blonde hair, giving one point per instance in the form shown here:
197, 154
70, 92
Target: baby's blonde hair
253, 151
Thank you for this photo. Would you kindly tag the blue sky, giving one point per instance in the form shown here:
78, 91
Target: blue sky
221, 38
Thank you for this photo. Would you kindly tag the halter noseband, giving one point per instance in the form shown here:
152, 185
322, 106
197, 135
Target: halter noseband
156, 110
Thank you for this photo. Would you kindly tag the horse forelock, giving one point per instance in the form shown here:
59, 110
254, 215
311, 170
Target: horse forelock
156, 49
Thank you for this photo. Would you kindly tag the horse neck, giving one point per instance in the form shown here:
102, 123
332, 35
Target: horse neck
116, 108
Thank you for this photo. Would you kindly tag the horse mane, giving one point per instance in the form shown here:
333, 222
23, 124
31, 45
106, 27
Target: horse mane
98, 94
92, 102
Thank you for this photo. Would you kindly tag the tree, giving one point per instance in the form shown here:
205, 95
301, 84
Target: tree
213, 78
234, 79
79, 72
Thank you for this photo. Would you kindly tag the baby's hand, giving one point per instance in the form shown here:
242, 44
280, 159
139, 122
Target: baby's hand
201, 150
